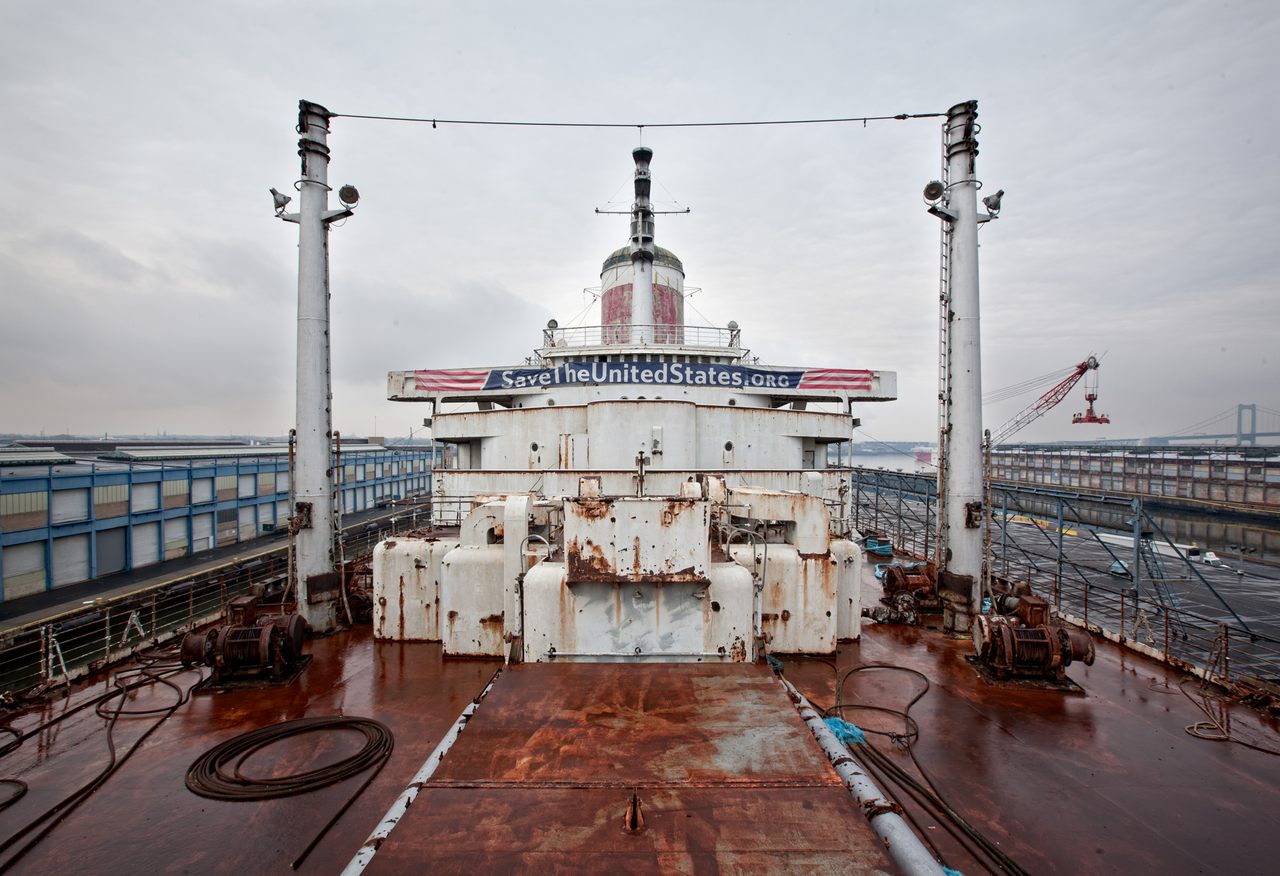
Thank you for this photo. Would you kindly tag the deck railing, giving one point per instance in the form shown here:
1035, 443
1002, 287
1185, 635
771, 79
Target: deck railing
1154, 618
79, 641
642, 335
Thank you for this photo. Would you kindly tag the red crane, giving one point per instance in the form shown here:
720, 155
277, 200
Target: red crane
1091, 396
1050, 399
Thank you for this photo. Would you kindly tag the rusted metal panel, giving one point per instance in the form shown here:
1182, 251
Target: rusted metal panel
625, 619
727, 776
800, 830
406, 595
632, 540
638, 726
471, 601
798, 604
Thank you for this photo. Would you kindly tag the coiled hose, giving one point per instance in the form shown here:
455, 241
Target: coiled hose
218, 773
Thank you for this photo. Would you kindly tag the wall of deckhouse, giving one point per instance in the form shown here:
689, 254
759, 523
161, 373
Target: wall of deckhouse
673, 434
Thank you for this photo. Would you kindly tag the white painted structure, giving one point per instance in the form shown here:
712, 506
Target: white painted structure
314, 517
639, 491
960, 473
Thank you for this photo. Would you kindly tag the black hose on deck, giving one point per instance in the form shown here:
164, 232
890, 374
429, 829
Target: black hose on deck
217, 774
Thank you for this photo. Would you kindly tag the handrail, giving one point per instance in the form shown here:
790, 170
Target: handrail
656, 335
72, 643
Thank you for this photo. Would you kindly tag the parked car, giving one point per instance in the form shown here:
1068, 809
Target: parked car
1209, 558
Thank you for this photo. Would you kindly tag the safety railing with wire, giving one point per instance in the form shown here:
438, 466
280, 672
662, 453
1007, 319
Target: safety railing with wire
643, 335
82, 640
1089, 592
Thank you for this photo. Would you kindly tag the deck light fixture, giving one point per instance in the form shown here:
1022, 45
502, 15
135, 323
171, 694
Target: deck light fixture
992, 202
281, 201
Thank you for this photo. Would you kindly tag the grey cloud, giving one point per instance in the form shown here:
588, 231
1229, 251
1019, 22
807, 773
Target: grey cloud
145, 284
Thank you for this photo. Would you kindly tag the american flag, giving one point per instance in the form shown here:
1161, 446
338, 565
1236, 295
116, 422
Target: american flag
836, 378
451, 380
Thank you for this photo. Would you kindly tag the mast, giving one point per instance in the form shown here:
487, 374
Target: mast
642, 251
313, 512
960, 519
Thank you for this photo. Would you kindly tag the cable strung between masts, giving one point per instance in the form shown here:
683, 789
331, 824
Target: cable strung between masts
639, 125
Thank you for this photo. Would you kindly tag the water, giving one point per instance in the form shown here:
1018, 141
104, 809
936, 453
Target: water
904, 462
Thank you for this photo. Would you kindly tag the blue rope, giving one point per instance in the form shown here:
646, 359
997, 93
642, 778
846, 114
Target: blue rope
774, 662
846, 732
949, 872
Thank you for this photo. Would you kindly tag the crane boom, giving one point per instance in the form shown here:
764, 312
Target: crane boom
1044, 404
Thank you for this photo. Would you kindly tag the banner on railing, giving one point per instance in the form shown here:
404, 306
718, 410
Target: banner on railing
655, 373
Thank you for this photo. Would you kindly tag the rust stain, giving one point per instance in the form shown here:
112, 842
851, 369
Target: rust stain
568, 617
402, 607
587, 562
554, 760
592, 509
539, 779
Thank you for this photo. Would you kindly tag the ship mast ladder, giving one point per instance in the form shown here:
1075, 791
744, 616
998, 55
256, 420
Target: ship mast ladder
944, 362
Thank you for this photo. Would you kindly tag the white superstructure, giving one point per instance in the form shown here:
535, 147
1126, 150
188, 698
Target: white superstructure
641, 491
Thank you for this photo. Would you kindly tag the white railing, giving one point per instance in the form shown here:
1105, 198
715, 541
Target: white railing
642, 335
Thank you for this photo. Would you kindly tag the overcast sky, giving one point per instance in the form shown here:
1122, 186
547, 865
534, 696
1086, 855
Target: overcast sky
145, 285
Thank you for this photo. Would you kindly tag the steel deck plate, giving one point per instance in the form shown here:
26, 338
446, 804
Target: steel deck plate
728, 777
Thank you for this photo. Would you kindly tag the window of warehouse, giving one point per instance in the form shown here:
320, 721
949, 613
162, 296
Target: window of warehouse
201, 491
70, 506
145, 497
110, 501
24, 569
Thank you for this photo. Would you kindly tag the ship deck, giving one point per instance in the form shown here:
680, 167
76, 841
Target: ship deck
728, 777
1104, 781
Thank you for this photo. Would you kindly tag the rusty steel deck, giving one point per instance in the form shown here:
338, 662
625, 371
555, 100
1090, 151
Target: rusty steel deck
1104, 782
541, 780
144, 820
727, 776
